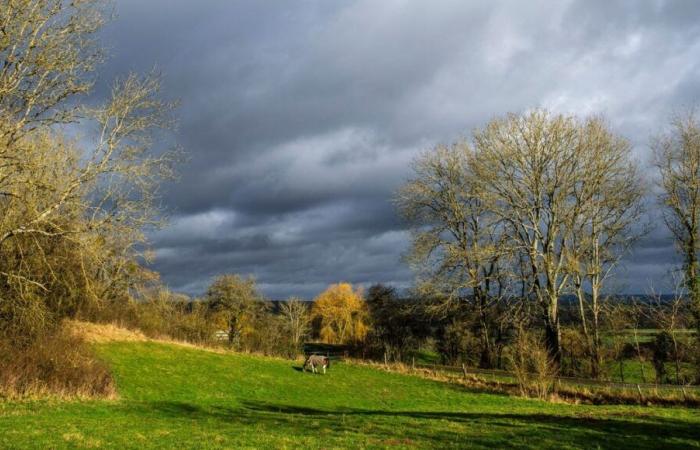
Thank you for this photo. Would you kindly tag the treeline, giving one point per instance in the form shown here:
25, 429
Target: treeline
649, 335
233, 313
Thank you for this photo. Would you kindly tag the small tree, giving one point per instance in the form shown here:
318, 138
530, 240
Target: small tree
617, 319
663, 349
297, 321
342, 314
636, 314
234, 297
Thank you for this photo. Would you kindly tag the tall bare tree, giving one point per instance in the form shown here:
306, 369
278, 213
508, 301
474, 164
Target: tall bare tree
546, 176
677, 158
457, 240
606, 228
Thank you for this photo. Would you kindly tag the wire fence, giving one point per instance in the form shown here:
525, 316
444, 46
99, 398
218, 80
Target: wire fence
567, 380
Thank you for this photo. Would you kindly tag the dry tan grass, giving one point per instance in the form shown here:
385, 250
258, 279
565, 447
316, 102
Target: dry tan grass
110, 332
100, 333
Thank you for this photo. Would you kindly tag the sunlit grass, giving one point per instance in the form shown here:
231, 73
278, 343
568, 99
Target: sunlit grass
177, 397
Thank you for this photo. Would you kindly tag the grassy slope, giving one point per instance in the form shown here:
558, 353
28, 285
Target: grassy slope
180, 397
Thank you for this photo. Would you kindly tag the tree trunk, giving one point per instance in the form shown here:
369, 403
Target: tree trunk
639, 354
622, 370
232, 332
691, 276
486, 357
595, 347
552, 330
676, 359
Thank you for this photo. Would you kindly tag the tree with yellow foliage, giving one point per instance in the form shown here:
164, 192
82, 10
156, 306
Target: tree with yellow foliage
342, 314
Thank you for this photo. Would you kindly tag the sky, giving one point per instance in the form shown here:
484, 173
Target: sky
300, 119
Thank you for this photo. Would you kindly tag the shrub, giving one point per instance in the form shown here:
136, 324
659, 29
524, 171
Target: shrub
532, 365
57, 363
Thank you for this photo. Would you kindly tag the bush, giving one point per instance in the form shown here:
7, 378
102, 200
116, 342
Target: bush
57, 363
532, 365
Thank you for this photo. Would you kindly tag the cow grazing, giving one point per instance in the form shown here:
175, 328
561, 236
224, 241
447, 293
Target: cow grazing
317, 361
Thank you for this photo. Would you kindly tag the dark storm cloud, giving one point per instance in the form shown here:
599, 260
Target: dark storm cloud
301, 118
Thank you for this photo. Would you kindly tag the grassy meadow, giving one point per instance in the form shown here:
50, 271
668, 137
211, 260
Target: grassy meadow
172, 396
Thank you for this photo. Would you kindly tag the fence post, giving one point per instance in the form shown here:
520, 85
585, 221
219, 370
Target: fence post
641, 397
464, 370
413, 363
386, 362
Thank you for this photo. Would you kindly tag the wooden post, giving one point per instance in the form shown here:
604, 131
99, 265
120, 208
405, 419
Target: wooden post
386, 362
641, 397
464, 370
413, 363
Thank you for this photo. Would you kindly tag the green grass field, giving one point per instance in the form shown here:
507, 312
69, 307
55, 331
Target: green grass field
177, 397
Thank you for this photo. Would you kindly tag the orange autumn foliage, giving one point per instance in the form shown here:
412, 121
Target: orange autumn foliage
342, 313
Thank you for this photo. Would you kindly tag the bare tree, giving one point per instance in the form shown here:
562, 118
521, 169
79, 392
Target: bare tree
637, 312
546, 176
457, 241
49, 51
611, 208
677, 158
617, 319
297, 320
73, 211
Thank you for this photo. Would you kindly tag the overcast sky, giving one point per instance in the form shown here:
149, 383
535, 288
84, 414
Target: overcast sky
301, 118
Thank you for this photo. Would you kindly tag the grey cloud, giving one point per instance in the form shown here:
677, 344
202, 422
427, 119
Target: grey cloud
301, 118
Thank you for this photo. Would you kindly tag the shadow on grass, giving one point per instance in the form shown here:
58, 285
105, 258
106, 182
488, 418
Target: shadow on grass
447, 429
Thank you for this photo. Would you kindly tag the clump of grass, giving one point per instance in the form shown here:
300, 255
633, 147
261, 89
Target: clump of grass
56, 364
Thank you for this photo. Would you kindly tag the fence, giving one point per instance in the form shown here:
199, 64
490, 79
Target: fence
567, 380
331, 350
